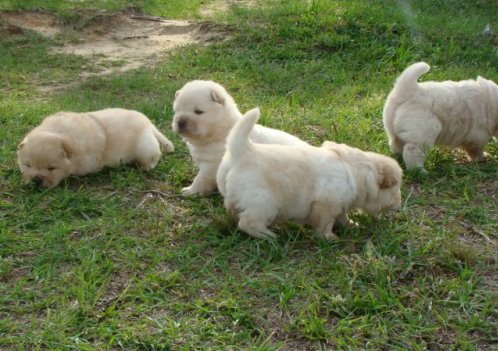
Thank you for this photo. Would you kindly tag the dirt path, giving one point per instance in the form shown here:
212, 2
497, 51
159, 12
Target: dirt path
114, 42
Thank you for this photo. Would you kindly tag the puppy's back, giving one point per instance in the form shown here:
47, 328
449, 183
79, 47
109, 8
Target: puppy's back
71, 125
376, 171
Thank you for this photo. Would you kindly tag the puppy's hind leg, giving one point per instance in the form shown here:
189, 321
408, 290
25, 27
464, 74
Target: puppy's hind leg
148, 151
414, 156
396, 145
476, 152
254, 223
322, 219
344, 219
419, 140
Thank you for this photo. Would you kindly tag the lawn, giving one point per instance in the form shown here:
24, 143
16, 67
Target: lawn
119, 260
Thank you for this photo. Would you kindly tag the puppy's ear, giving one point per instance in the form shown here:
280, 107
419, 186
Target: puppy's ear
67, 151
387, 178
19, 147
217, 96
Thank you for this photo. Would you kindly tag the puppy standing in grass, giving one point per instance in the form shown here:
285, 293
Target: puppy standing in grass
69, 143
316, 186
455, 114
204, 115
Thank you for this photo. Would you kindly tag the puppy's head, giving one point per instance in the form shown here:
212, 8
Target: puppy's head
44, 158
381, 176
386, 186
491, 89
203, 111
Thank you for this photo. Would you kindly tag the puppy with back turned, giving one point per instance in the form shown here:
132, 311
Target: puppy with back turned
263, 183
454, 114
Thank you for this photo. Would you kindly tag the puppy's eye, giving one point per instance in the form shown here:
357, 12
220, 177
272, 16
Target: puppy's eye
198, 112
51, 169
27, 165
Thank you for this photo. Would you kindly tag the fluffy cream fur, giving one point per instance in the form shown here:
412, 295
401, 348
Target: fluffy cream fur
262, 183
455, 114
69, 143
377, 177
204, 115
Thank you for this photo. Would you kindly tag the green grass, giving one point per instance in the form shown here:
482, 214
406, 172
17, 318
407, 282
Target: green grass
68, 9
118, 260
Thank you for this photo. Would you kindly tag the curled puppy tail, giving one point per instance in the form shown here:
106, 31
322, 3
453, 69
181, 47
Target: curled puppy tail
165, 143
238, 141
406, 83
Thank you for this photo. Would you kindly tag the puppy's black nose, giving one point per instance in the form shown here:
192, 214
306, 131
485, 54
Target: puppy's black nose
182, 124
37, 180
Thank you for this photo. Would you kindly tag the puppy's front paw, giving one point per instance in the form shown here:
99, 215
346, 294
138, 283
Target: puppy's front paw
484, 157
196, 190
351, 224
347, 222
331, 236
189, 191
418, 170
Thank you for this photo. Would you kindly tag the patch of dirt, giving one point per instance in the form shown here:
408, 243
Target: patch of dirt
133, 41
489, 280
115, 288
42, 22
8, 30
113, 42
489, 188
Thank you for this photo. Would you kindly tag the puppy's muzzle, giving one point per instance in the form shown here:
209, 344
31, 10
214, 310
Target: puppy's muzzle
182, 124
37, 180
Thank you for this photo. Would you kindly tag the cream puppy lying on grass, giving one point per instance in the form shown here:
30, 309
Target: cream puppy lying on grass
455, 114
70, 143
262, 183
204, 115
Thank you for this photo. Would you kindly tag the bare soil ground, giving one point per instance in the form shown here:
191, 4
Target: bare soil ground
113, 42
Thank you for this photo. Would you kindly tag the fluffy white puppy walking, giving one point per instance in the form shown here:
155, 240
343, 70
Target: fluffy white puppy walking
70, 143
264, 183
455, 114
204, 115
